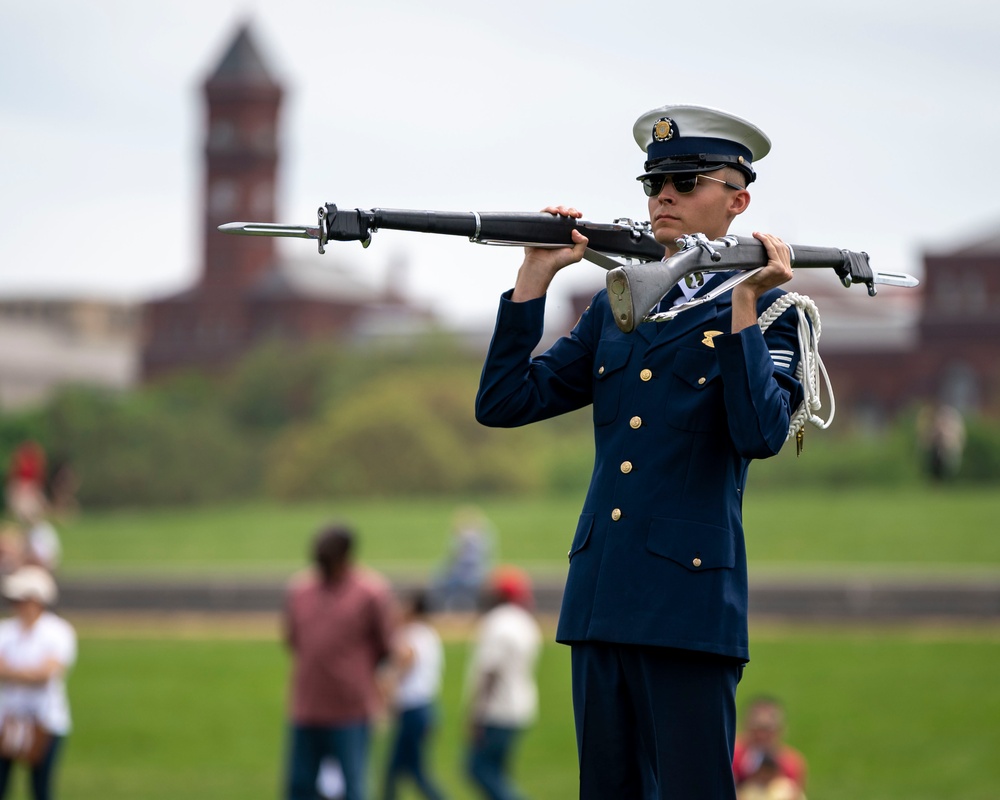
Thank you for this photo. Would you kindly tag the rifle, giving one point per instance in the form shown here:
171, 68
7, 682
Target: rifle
638, 275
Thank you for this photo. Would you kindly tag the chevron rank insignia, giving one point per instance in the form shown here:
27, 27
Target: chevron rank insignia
782, 358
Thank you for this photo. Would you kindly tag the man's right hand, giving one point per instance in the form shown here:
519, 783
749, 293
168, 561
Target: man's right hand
541, 264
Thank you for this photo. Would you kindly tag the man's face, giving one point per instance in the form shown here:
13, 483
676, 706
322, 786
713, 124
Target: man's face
764, 727
708, 209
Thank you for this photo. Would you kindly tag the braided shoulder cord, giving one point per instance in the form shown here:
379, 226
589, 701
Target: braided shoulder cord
810, 364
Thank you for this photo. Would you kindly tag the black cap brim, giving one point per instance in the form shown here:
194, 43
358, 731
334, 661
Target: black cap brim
696, 165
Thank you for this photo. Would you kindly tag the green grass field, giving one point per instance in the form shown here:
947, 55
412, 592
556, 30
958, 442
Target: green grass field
881, 713
899, 714
912, 530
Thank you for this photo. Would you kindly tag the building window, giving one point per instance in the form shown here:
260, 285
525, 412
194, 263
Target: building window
960, 387
262, 199
976, 296
221, 135
222, 195
264, 138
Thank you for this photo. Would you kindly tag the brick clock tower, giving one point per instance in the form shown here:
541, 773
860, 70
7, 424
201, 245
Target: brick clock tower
245, 295
241, 159
209, 324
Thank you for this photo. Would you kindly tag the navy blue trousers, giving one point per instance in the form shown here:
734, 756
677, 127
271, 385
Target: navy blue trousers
310, 744
413, 729
654, 722
41, 773
489, 760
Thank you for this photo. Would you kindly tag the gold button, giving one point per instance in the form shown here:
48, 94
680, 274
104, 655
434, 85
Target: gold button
626, 467
697, 561
645, 375
616, 514
569, 553
635, 422
600, 370
701, 381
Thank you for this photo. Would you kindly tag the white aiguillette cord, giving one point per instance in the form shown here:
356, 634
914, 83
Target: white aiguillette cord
810, 364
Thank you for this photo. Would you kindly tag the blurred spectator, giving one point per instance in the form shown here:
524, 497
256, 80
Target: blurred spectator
416, 668
12, 547
763, 765
61, 486
42, 546
29, 543
503, 691
37, 648
767, 783
942, 435
338, 625
26, 482
458, 586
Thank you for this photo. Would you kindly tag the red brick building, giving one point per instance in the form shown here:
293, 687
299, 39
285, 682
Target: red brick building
245, 293
949, 352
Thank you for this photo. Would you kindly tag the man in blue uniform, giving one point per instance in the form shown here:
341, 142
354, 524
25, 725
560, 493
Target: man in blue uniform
655, 606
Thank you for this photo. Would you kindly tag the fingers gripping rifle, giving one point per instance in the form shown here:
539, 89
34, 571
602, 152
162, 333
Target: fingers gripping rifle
638, 274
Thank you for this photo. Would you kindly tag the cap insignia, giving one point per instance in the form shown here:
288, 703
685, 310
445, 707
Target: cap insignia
663, 129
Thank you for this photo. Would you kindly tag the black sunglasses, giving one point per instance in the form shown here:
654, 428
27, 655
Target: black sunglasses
683, 184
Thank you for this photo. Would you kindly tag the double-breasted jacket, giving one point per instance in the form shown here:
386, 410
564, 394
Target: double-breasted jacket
680, 409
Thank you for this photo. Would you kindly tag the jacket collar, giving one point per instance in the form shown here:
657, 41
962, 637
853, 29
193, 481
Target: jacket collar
659, 333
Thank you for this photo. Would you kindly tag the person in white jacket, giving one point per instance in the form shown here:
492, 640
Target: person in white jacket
502, 683
37, 648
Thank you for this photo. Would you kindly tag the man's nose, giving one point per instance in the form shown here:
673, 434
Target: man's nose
667, 192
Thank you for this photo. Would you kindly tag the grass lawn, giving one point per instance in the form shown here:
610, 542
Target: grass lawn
911, 530
902, 713
907, 713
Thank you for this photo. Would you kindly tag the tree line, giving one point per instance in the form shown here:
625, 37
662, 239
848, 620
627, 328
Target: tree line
297, 422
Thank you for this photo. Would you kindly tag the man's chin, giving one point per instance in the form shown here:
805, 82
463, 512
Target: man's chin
666, 236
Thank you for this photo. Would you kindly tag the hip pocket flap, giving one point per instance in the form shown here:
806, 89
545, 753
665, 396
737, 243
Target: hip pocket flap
696, 546
582, 535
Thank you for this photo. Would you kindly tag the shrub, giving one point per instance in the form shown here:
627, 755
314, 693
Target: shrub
127, 450
408, 433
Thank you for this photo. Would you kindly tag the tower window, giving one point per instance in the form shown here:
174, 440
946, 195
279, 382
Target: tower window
222, 196
222, 134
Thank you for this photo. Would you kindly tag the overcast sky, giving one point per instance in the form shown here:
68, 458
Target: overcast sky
882, 116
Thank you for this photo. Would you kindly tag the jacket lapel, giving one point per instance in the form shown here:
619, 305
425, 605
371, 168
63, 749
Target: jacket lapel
662, 333
650, 330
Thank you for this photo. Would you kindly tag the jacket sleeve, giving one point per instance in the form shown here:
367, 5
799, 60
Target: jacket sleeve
760, 388
516, 389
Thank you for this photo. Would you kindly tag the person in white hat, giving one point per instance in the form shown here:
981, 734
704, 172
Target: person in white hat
655, 604
37, 648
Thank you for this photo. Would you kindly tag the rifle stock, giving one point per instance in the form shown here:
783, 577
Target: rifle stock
635, 290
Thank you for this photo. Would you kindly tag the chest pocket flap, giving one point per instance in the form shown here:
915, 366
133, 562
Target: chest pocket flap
694, 545
696, 367
611, 357
609, 362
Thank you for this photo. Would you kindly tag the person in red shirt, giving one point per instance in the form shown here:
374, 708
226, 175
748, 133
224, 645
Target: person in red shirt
760, 745
339, 622
26, 482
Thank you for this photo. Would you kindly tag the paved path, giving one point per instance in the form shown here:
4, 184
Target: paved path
860, 599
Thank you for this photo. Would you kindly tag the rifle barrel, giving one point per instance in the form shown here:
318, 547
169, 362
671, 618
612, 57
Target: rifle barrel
530, 228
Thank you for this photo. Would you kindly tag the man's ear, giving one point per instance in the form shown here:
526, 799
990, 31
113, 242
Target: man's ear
739, 202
